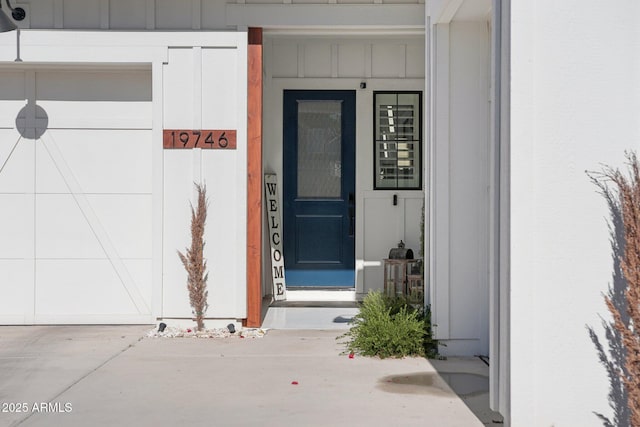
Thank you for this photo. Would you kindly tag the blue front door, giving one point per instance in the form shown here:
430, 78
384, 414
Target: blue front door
319, 188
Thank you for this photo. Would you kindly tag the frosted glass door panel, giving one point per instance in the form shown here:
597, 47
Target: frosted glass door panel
319, 149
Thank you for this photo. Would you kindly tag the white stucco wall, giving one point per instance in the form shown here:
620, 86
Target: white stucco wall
575, 103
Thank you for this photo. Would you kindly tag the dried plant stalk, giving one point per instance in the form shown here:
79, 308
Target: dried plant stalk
194, 262
628, 193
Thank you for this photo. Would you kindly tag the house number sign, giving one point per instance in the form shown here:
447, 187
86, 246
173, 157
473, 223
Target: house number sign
205, 139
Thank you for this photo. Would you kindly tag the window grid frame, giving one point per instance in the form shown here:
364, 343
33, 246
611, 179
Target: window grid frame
419, 142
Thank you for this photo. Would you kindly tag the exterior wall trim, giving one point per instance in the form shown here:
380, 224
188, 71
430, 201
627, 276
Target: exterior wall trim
439, 215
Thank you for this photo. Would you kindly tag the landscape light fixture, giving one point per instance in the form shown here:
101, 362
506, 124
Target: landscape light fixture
17, 13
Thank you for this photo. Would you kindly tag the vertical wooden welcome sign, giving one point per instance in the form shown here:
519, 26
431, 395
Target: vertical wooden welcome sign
275, 236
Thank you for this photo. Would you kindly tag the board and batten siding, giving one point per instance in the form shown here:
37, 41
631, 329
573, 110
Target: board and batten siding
165, 14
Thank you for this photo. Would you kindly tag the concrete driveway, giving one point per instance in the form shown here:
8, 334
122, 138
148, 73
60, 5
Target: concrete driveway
111, 375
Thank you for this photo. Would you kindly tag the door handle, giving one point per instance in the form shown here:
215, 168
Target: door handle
352, 214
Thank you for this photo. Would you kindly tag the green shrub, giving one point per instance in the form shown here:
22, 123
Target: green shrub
390, 327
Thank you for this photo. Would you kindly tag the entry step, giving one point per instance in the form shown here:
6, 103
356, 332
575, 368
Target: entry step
316, 304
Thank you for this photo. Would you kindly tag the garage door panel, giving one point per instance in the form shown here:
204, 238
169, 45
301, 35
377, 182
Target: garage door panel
16, 287
102, 99
126, 219
16, 226
12, 88
62, 231
97, 114
12, 97
16, 162
113, 86
79, 287
9, 111
102, 161
48, 179
76, 204
141, 273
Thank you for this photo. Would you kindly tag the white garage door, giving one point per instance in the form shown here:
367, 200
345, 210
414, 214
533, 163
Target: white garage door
75, 196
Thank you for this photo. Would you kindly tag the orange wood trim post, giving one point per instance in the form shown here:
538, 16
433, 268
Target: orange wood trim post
254, 179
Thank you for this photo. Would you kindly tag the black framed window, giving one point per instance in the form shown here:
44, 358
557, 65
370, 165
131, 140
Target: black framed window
398, 140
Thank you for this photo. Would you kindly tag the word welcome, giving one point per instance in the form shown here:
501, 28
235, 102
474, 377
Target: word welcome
275, 236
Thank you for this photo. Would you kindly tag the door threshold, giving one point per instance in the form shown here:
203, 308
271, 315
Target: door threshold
323, 294
314, 304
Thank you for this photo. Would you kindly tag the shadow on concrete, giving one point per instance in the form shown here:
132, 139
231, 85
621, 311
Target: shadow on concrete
462, 383
614, 359
468, 378
342, 319
466, 385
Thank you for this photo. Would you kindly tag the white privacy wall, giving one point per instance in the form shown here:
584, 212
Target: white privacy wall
205, 88
575, 104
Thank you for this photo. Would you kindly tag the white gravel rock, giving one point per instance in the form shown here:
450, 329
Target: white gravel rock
173, 332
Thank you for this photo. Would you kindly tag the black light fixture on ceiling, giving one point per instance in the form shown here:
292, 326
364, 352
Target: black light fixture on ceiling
17, 13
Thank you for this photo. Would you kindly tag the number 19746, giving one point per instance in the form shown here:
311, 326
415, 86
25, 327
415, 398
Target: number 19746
205, 139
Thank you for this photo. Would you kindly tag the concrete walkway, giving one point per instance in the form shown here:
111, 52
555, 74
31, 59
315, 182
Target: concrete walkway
110, 375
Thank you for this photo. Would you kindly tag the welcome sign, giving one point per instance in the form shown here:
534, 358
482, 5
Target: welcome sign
275, 236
